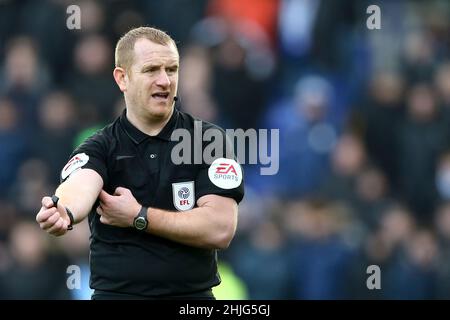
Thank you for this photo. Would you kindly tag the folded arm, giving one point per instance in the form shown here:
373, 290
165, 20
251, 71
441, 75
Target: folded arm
211, 225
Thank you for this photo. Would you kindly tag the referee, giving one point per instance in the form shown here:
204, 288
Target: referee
155, 226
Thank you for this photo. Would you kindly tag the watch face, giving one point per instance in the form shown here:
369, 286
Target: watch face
140, 223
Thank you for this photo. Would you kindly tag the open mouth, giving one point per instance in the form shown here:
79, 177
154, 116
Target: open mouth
160, 95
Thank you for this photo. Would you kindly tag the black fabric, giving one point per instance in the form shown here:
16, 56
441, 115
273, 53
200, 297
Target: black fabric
125, 260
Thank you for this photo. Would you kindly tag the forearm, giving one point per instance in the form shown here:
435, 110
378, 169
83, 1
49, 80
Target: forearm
79, 193
204, 227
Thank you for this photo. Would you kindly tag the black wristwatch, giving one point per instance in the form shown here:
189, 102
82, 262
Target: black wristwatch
140, 221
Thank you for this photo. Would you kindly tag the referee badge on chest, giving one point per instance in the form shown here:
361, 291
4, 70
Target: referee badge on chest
183, 195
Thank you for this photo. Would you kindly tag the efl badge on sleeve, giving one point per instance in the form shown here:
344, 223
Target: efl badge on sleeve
183, 195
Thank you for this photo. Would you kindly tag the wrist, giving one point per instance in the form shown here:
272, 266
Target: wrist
140, 221
70, 218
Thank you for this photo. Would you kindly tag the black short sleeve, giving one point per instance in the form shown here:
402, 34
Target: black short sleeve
91, 154
205, 185
224, 176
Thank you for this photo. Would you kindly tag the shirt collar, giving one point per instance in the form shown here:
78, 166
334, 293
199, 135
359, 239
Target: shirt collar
138, 136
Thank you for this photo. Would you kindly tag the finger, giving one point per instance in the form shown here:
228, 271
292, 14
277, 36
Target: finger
50, 221
120, 191
104, 196
57, 227
44, 214
104, 220
47, 202
99, 210
59, 233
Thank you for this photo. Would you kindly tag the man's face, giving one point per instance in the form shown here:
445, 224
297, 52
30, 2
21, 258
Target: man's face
152, 80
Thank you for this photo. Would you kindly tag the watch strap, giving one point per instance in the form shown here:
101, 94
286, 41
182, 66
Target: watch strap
55, 200
143, 212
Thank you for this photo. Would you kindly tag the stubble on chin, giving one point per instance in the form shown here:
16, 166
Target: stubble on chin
158, 112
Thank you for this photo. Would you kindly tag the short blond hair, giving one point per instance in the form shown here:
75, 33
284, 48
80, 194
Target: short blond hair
124, 53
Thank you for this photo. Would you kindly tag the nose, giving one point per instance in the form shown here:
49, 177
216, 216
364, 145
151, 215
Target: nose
163, 79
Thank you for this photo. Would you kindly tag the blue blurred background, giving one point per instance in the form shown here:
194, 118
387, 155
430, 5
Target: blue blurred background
364, 119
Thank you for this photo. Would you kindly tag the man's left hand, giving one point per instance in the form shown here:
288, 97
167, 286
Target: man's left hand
119, 209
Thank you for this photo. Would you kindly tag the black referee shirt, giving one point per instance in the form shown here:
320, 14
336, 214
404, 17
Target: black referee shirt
125, 260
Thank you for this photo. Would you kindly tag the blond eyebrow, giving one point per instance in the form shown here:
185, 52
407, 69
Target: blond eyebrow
173, 64
150, 66
154, 65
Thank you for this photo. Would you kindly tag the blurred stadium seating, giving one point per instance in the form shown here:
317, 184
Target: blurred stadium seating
364, 119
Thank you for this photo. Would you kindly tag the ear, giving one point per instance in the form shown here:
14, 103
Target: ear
120, 77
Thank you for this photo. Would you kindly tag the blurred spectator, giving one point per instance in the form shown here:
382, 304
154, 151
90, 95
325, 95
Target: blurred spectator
383, 247
265, 251
347, 160
45, 22
31, 185
24, 78
418, 64
178, 17
332, 32
382, 112
321, 258
244, 61
296, 26
92, 17
9, 11
421, 138
92, 84
396, 226
371, 195
35, 272
258, 16
242, 102
442, 85
375, 251
414, 276
13, 143
9, 216
53, 143
22, 71
195, 84
307, 136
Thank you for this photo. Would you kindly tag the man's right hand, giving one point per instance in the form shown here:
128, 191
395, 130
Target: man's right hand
52, 220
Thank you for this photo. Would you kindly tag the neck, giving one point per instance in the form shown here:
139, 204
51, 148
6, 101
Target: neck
148, 125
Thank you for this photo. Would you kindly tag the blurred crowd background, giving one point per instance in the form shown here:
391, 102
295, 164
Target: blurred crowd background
364, 120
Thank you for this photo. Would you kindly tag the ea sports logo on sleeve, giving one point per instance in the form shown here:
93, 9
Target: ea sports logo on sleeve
77, 161
225, 173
